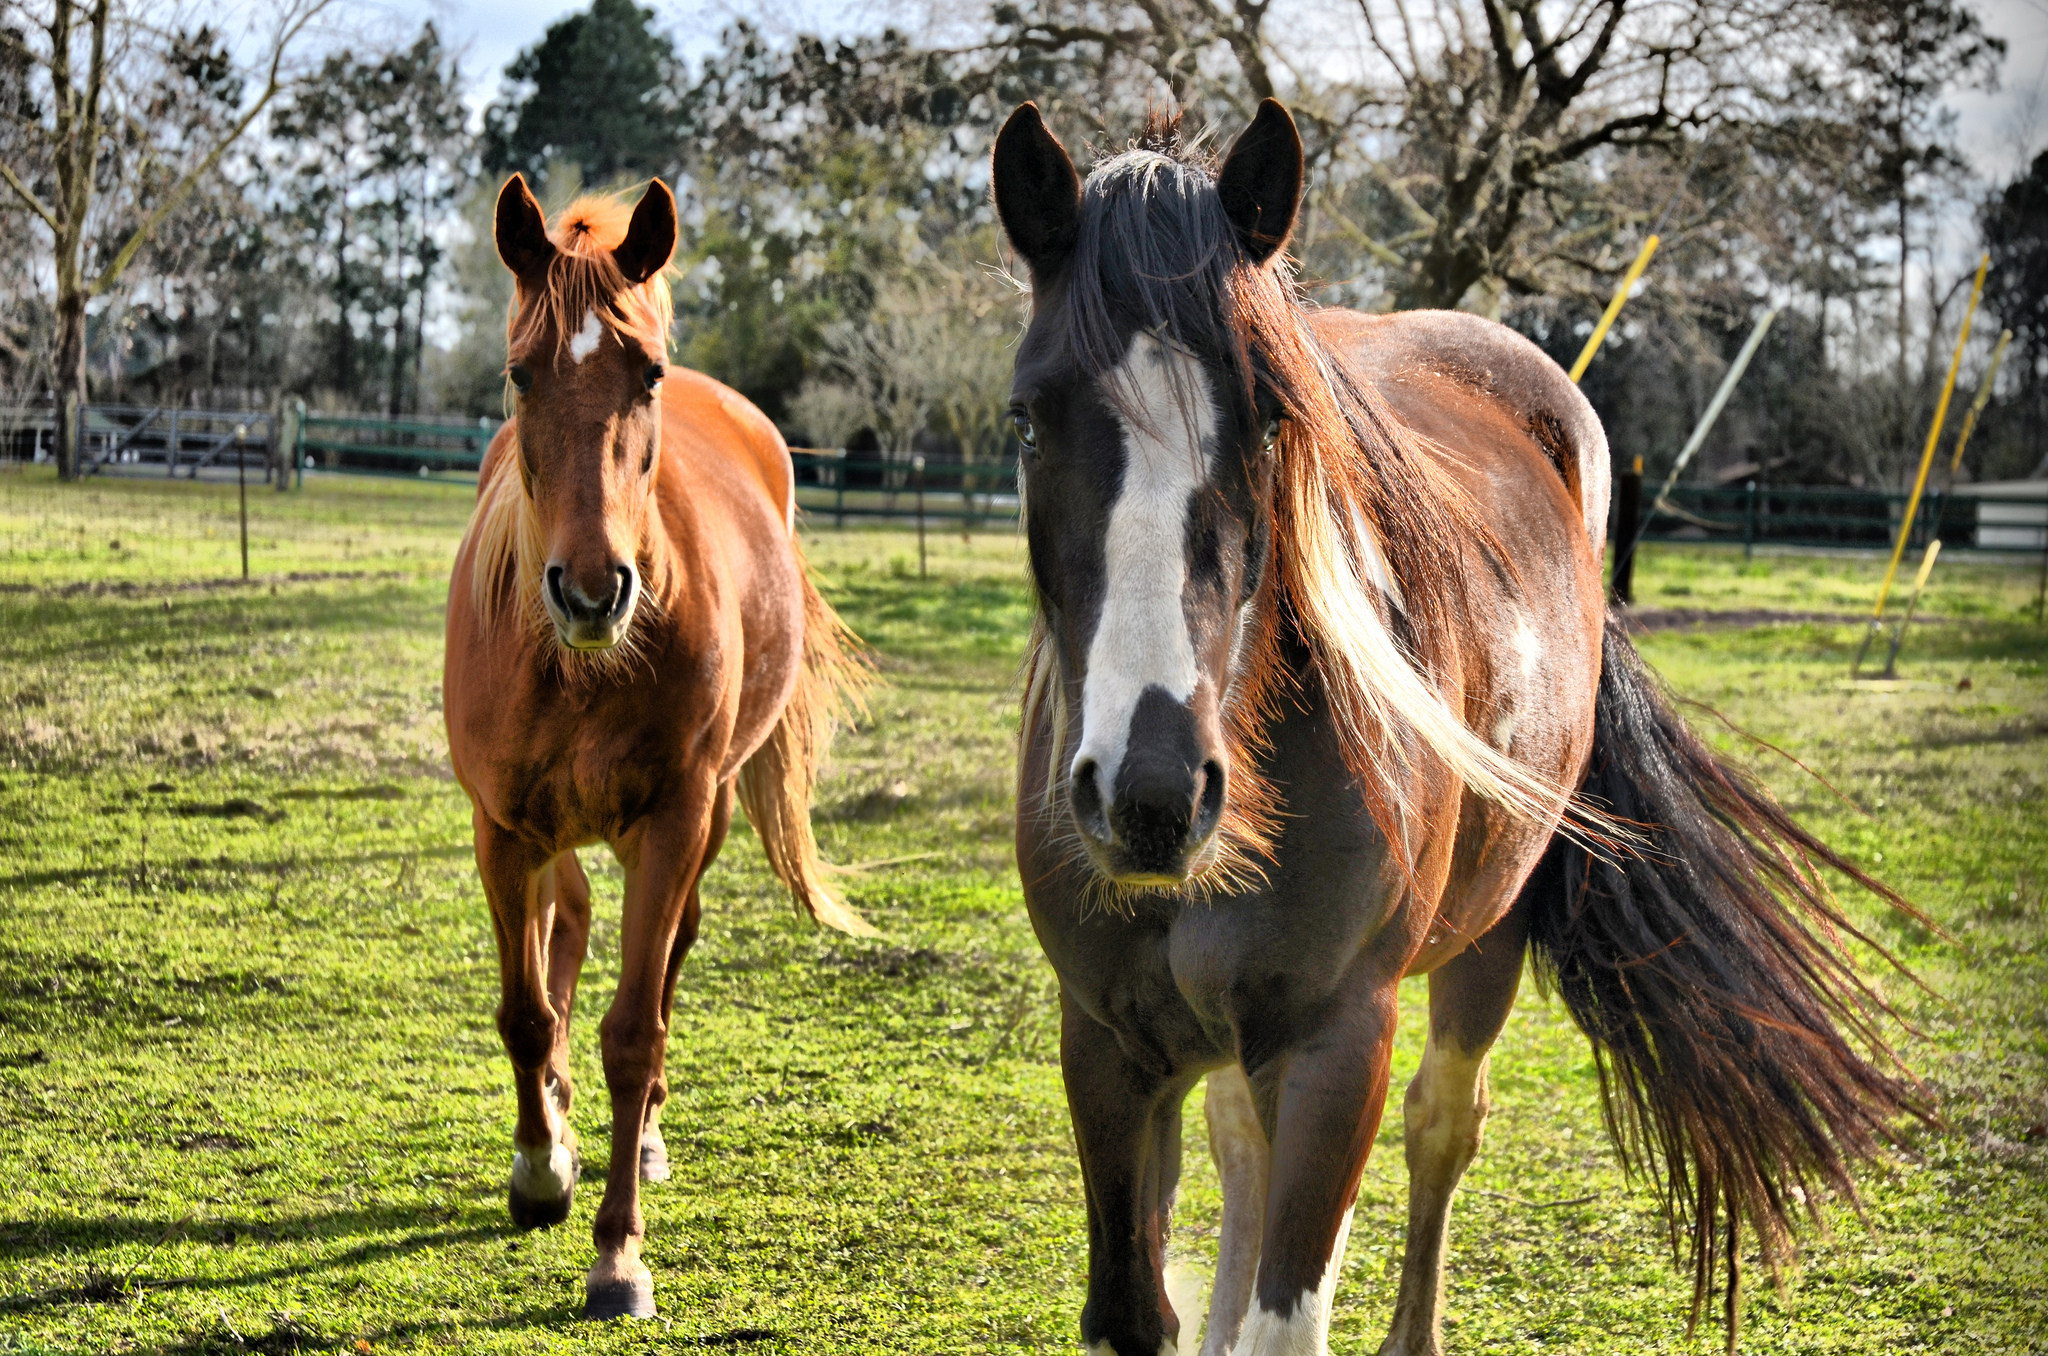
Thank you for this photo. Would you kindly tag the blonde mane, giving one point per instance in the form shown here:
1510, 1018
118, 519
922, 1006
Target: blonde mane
583, 277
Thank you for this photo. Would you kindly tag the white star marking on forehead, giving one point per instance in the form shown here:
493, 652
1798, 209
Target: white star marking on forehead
585, 342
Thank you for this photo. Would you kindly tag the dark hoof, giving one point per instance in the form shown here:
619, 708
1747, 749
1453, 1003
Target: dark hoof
529, 1213
618, 1299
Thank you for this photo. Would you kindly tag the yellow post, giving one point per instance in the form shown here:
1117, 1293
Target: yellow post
1635, 271
1891, 660
1948, 389
1977, 406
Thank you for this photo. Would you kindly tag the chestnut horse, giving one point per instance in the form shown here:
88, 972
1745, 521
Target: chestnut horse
632, 641
1323, 693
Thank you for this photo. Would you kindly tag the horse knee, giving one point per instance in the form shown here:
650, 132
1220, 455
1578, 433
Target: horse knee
528, 1032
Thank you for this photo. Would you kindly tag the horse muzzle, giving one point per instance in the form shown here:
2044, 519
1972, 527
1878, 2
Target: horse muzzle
583, 622
1148, 821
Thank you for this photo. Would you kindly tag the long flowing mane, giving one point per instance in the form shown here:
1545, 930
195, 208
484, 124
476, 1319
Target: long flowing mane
582, 277
1364, 524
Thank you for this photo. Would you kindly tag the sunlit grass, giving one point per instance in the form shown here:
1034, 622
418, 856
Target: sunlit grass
251, 1096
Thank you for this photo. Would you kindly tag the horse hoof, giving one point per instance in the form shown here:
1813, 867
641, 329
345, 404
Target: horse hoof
632, 1298
529, 1213
654, 1162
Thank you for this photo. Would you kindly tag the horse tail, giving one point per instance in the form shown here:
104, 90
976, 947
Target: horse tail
775, 784
1741, 1064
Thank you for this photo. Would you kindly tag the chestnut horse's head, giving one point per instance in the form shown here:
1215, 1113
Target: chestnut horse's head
1148, 437
587, 348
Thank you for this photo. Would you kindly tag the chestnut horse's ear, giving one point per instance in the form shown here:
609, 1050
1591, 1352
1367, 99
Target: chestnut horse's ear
522, 231
651, 238
1038, 194
1260, 182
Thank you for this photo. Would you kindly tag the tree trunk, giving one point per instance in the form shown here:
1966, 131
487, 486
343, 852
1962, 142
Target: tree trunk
67, 379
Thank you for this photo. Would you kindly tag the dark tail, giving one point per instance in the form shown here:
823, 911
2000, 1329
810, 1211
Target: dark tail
1741, 1062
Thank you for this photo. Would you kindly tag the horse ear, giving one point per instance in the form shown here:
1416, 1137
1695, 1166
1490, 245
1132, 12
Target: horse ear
1038, 194
651, 238
522, 231
1260, 183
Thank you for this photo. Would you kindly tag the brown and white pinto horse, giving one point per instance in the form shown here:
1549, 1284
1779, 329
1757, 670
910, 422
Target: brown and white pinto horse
631, 642
1322, 657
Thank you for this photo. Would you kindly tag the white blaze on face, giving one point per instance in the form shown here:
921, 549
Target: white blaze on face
584, 342
1141, 639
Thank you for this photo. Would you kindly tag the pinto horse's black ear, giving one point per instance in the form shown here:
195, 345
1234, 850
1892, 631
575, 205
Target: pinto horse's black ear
651, 238
1260, 182
522, 231
1038, 194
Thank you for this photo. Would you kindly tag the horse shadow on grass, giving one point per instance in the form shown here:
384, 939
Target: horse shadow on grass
416, 1230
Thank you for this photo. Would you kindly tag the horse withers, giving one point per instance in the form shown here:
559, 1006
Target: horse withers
1323, 693
632, 642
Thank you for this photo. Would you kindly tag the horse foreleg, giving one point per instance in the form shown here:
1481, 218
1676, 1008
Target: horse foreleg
1243, 1163
1445, 1112
662, 855
1127, 1127
1328, 1094
520, 883
653, 1148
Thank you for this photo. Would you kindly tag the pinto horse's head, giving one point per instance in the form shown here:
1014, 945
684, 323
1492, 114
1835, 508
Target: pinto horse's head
587, 348
1148, 436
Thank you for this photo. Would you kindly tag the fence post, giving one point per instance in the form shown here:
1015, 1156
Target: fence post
298, 444
171, 448
242, 492
1749, 520
839, 493
917, 468
1628, 517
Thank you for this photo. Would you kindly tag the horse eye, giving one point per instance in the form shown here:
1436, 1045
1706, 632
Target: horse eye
522, 379
1026, 433
1272, 435
653, 375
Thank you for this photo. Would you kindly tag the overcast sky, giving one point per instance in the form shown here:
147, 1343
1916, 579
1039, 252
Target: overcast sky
1992, 129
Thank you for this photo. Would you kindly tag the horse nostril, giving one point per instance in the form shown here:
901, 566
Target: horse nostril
1086, 794
554, 582
622, 596
1208, 801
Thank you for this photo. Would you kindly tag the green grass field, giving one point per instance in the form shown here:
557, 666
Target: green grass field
251, 1095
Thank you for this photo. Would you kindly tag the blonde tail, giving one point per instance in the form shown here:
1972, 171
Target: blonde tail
775, 784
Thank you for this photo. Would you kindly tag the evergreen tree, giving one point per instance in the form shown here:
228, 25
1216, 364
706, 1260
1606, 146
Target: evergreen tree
597, 90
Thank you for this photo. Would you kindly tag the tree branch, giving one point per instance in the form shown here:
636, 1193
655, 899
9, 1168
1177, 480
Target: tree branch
29, 199
287, 32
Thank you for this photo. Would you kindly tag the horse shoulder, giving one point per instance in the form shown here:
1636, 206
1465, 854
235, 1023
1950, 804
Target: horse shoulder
719, 424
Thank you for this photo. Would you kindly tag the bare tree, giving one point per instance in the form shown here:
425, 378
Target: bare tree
91, 65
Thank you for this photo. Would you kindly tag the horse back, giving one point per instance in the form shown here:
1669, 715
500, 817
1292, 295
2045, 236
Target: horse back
1475, 386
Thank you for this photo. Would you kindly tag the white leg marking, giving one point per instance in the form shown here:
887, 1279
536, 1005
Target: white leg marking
543, 1174
584, 343
1184, 1293
1141, 639
1243, 1163
1305, 1331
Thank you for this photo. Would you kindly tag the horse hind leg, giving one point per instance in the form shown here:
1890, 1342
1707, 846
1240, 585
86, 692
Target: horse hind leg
1445, 1114
1244, 1164
654, 1166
